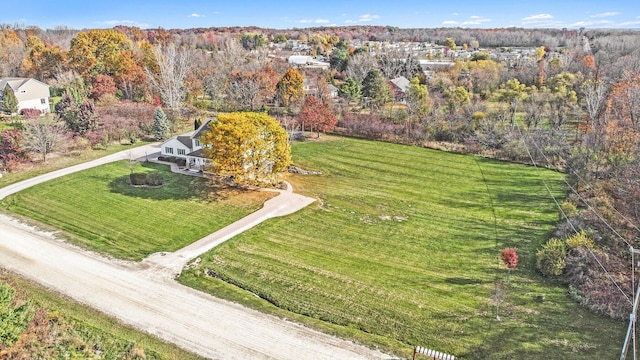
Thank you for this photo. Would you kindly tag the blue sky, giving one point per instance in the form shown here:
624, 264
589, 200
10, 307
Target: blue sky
284, 14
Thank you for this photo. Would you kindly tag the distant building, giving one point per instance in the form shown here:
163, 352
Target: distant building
31, 93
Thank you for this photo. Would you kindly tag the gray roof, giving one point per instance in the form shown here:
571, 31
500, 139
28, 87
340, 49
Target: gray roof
185, 140
197, 153
202, 129
401, 82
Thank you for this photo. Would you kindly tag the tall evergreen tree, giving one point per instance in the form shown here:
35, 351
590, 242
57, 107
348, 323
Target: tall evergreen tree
9, 101
375, 90
160, 127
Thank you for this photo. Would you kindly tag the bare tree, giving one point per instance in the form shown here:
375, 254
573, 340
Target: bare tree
359, 65
595, 95
43, 135
173, 67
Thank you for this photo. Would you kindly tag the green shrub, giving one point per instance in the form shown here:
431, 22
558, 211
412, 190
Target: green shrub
154, 178
137, 178
550, 259
569, 209
14, 319
580, 239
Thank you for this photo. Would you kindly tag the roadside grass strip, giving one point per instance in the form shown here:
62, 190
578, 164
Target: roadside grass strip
400, 250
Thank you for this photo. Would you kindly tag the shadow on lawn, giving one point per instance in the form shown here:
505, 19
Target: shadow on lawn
174, 187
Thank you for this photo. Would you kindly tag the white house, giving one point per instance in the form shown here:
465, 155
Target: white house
31, 93
188, 147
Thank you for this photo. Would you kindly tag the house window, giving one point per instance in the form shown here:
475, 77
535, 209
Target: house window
197, 142
168, 150
43, 101
181, 152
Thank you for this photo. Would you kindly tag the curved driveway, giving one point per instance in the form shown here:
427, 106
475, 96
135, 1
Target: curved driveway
198, 322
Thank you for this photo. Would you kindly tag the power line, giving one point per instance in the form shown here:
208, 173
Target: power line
584, 200
566, 217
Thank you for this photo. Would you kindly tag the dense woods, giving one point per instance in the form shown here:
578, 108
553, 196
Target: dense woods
565, 99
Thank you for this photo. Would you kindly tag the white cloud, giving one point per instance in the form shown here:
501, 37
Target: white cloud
542, 21
629, 23
196, 15
605, 14
363, 18
455, 14
123, 22
314, 21
537, 18
473, 20
368, 17
591, 23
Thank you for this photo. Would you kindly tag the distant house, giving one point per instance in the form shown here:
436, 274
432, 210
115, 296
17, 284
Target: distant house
187, 147
31, 93
333, 91
309, 62
399, 86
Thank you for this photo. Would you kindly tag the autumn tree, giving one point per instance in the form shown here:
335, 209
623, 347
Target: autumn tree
417, 101
99, 52
41, 61
512, 93
161, 127
169, 81
102, 85
317, 115
451, 44
290, 89
9, 101
456, 97
76, 112
11, 149
375, 91
563, 99
11, 52
250, 148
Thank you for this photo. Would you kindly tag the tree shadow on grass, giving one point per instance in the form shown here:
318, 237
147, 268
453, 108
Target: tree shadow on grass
174, 187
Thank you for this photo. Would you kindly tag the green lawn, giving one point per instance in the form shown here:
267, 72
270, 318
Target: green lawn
401, 250
98, 209
58, 162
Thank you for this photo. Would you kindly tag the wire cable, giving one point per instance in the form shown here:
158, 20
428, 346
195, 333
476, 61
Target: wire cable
566, 217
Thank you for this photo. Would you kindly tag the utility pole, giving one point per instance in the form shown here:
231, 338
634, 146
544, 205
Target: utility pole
631, 330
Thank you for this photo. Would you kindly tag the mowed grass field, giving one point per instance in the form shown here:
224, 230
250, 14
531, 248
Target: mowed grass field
99, 210
402, 248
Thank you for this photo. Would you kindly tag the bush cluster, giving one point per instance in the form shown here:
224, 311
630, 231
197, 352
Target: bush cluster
150, 179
